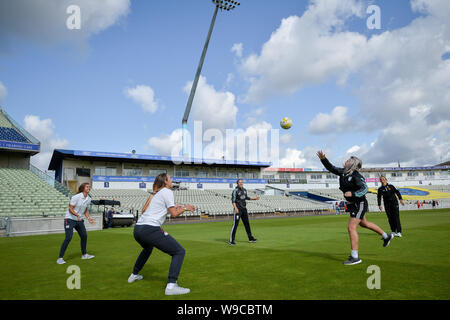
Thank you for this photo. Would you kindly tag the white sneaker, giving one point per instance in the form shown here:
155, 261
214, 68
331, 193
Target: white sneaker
134, 277
175, 289
60, 261
399, 234
86, 256
393, 234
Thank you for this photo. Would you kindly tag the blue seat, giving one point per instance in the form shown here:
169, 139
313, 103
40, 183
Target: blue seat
11, 134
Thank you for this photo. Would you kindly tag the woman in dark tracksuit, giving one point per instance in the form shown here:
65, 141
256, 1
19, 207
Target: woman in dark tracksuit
238, 199
149, 233
354, 187
389, 193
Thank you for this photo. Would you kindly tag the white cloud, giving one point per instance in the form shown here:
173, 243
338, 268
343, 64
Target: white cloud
44, 21
167, 144
144, 96
43, 130
400, 74
229, 80
237, 48
336, 122
3, 92
216, 109
213, 109
305, 158
285, 138
353, 149
412, 142
293, 158
253, 143
305, 50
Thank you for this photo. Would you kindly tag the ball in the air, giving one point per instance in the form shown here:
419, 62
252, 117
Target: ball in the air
286, 123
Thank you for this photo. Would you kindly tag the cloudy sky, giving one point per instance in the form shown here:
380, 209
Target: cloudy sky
121, 81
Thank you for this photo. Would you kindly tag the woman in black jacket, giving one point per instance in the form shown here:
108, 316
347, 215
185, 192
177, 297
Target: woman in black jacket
388, 192
354, 187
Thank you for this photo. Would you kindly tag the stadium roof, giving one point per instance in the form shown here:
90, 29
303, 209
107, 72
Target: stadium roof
15, 138
447, 163
60, 154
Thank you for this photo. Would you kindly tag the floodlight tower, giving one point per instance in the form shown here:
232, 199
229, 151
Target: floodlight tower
222, 5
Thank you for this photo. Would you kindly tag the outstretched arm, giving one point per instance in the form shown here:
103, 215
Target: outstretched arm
328, 165
175, 211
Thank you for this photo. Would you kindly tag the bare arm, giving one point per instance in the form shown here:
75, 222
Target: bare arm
88, 216
72, 211
176, 211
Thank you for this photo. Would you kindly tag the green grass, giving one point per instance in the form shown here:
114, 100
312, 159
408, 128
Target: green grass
295, 258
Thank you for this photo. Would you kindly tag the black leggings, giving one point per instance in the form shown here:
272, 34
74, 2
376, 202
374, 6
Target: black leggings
149, 237
392, 212
243, 215
69, 225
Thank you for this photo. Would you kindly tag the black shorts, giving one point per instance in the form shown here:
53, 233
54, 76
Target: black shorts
358, 209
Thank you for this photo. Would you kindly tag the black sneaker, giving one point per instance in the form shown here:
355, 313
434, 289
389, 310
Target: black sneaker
252, 240
232, 243
351, 261
387, 240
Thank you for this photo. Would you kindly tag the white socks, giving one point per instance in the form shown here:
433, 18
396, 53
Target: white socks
354, 254
384, 235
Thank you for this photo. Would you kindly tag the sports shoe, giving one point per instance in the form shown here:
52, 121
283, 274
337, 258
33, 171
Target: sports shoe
399, 234
252, 240
134, 277
350, 261
175, 290
393, 234
60, 261
86, 256
387, 240
232, 243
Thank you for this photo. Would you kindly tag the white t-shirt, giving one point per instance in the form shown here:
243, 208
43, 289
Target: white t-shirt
156, 213
80, 204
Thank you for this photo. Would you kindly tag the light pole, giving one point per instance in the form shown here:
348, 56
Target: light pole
222, 5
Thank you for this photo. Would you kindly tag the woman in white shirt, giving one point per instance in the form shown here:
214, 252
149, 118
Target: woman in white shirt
149, 234
73, 220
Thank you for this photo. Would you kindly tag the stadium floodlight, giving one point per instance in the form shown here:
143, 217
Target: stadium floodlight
222, 5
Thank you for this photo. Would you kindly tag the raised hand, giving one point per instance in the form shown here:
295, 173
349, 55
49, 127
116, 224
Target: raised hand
321, 155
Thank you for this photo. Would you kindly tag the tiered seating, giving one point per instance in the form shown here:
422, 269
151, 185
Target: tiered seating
440, 188
130, 199
290, 204
205, 202
11, 134
4, 122
22, 193
252, 206
269, 203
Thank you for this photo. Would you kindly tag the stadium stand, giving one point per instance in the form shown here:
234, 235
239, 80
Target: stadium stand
4, 123
210, 202
131, 200
337, 195
11, 134
23, 193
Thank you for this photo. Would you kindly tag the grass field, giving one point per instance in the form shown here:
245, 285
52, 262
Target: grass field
295, 258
